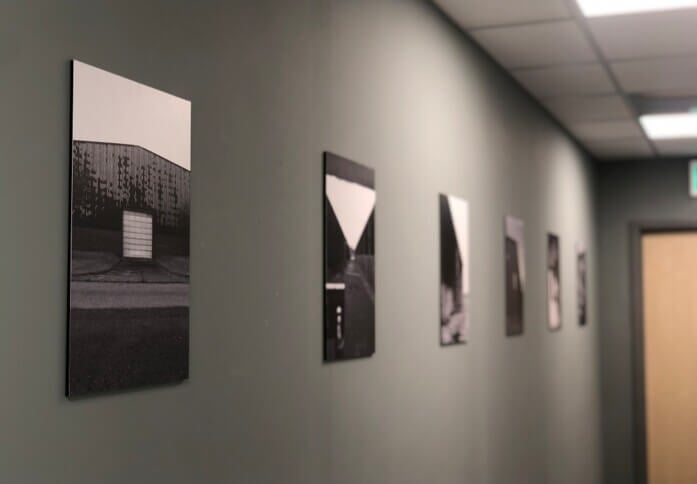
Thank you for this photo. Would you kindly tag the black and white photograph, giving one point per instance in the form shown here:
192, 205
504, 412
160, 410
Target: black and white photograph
582, 283
515, 275
129, 254
454, 270
349, 259
553, 283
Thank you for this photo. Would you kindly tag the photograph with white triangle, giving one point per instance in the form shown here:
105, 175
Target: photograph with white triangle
349, 259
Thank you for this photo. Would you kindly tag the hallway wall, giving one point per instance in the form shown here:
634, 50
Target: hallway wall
389, 83
628, 192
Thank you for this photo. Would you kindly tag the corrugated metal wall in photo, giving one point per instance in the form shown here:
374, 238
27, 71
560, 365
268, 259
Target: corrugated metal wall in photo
110, 178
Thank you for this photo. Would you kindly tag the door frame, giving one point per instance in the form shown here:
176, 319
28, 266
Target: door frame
637, 231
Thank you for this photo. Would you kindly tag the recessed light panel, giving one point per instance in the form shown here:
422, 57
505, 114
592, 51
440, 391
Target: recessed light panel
670, 126
600, 8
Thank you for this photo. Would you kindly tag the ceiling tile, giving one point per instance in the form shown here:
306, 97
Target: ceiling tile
620, 149
582, 109
647, 35
486, 13
669, 74
543, 44
676, 147
606, 130
577, 80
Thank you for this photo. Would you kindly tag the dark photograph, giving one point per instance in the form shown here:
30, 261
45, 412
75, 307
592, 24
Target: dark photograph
349, 259
129, 256
581, 284
515, 275
454, 270
553, 283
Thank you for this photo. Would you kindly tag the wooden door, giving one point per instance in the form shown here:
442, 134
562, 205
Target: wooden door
669, 265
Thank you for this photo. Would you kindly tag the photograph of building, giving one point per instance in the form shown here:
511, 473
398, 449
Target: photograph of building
130, 212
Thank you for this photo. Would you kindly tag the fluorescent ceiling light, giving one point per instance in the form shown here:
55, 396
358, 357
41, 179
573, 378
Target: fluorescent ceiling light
600, 8
670, 126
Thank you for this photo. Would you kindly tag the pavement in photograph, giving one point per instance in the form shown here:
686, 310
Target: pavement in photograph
130, 284
116, 349
85, 263
359, 312
105, 295
129, 322
128, 271
174, 265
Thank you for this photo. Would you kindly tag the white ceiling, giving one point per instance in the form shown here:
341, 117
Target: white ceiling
584, 71
662, 75
566, 81
535, 45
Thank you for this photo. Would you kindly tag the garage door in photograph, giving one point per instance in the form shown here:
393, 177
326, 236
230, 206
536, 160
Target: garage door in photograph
137, 235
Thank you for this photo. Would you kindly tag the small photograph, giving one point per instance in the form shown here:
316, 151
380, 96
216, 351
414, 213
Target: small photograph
129, 259
553, 283
515, 275
454, 270
582, 283
349, 259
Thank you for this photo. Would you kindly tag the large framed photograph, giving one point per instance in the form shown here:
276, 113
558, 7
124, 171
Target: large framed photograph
582, 283
515, 275
454, 271
553, 282
349, 259
129, 232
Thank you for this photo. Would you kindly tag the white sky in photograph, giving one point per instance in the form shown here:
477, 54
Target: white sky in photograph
353, 205
460, 214
112, 109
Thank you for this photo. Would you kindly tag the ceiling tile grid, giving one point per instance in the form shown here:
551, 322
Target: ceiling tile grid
606, 130
647, 35
676, 147
538, 44
658, 75
587, 72
567, 80
585, 109
620, 149
504, 12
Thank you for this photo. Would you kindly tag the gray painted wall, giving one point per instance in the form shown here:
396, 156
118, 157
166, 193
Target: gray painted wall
391, 84
637, 191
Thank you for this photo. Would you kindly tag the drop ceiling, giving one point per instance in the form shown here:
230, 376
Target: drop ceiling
587, 71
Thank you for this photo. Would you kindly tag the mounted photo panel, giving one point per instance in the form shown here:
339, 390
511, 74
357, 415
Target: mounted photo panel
129, 233
582, 283
515, 275
349, 259
553, 282
454, 271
